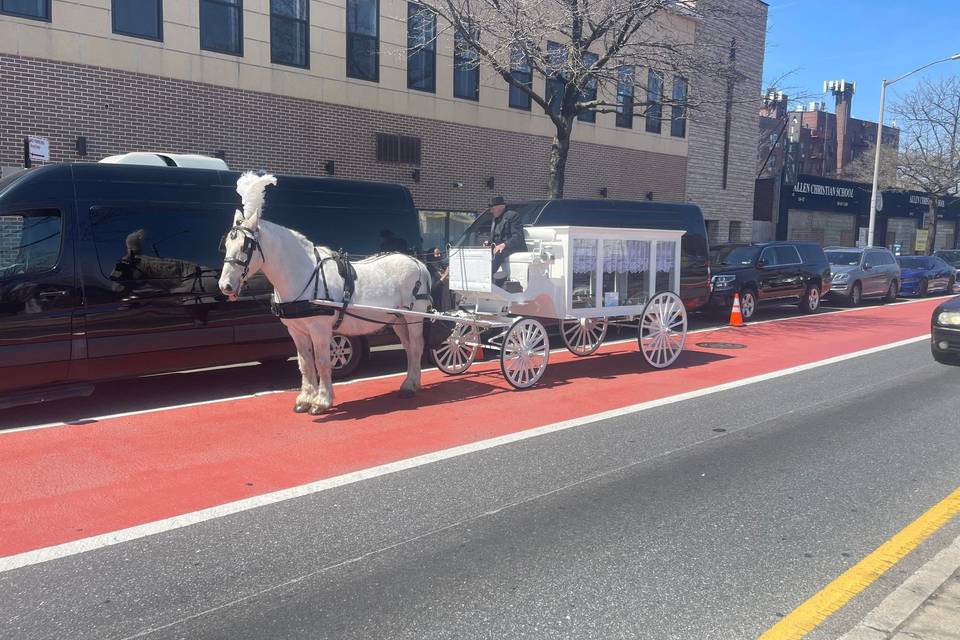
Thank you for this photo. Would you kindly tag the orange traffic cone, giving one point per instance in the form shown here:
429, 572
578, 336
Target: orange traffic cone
736, 317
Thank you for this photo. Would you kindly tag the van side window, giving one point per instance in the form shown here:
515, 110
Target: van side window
787, 255
158, 250
29, 241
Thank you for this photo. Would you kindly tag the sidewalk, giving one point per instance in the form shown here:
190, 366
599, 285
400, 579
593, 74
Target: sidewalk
925, 607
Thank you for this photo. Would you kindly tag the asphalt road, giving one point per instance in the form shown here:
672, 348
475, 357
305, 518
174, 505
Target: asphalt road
708, 518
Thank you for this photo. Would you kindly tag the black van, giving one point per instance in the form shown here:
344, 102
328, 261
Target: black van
621, 214
111, 270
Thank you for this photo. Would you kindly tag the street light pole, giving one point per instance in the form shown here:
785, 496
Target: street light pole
876, 158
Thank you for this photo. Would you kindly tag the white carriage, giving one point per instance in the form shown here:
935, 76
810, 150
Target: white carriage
585, 278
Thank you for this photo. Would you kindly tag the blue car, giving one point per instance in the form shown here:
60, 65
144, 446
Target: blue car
922, 275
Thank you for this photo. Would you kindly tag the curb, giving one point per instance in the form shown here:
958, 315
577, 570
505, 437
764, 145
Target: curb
896, 608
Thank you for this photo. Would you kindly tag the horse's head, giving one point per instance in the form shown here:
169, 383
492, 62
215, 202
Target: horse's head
243, 255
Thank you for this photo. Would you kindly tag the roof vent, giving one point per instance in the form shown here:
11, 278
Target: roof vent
189, 160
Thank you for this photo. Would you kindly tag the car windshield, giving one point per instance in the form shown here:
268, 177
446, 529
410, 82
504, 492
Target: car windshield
735, 256
844, 258
914, 262
952, 257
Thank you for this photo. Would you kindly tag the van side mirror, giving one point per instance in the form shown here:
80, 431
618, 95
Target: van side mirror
762, 262
867, 266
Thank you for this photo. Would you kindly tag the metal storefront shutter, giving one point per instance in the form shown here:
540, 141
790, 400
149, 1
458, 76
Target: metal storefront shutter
902, 231
824, 227
946, 234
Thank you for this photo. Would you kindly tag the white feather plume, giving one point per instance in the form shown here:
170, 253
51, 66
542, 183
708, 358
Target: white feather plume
252, 189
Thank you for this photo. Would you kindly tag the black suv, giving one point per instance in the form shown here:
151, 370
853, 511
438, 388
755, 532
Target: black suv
765, 272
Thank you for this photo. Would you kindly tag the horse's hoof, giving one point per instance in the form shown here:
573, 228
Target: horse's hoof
317, 409
301, 407
407, 393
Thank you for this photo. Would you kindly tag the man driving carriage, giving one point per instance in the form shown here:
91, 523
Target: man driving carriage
506, 237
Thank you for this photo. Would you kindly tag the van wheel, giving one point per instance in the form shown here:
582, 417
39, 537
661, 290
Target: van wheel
810, 301
856, 295
347, 353
892, 292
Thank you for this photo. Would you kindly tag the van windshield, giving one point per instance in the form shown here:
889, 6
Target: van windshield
735, 256
844, 258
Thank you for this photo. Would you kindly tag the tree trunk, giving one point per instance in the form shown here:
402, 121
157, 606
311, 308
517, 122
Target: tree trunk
932, 233
558, 161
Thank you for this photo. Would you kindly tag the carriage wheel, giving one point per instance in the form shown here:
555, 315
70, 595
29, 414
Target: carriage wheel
663, 330
457, 352
525, 353
583, 336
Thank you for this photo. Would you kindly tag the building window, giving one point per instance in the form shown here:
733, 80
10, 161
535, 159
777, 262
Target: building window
625, 97
221, 26
290, 32
520, 70
654, 101
39, 9
713, 231
556, 82
466, 67
395, 149
421, 48
137, 18
589, 90
735, 231
678, 113
363, 40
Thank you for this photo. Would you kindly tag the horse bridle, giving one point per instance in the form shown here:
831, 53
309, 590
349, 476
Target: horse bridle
250, 244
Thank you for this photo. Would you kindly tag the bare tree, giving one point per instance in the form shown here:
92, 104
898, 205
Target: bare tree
861, 168
929, 118
590, 52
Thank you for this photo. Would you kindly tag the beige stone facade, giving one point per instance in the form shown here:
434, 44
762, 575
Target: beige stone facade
72, 76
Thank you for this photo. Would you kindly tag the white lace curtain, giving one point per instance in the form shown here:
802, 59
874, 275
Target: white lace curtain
623, 256
584, 255
666, 256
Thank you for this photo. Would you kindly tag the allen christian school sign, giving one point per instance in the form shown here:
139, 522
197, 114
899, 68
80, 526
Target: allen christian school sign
829, 190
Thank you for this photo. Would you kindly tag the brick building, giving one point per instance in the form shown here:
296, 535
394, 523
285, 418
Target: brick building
319, 86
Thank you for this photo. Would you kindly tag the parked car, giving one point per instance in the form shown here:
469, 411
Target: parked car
769, 272
922, 275
945, 333
952, 258
113, 270
621, 214
863, 273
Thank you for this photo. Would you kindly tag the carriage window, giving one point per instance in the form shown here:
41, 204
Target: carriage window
29, 242
158, 251
666, 266
626, 272
584, 289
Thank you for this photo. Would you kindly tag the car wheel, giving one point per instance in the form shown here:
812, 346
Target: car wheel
891, 292
922, 289
748, 303
347, 353
856, 294
810, 301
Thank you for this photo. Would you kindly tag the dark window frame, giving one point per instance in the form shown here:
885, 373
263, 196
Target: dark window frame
238, 6
48, 10
654, 110
678, 112
514, 91
625, 120
429, 48
460, 64
392, 148
113, 23
589, 92
305, 21
376, 49
555, 83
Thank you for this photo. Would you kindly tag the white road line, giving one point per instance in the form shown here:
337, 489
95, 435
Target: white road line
94, 419
152, 528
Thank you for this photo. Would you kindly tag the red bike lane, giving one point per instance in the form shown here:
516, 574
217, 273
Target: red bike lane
71, 482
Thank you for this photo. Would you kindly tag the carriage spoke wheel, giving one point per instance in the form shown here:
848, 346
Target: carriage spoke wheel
525, 353
458, 351
584, 336
663, 330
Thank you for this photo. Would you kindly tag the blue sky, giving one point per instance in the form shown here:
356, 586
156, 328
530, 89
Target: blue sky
860, 40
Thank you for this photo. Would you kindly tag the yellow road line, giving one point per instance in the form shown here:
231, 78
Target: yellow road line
832, 597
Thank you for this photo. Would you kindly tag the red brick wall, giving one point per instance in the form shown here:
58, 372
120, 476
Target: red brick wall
120, 111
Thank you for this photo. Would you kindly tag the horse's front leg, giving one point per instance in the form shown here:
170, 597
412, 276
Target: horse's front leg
411, 337
321, 333
308, 371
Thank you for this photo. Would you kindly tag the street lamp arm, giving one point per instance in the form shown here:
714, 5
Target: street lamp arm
955, 56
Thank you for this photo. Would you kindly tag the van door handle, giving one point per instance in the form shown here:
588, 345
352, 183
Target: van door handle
53, 294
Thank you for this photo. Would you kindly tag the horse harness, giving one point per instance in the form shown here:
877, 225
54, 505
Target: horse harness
250, 244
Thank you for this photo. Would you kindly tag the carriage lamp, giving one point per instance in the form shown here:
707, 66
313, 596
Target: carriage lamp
949, 318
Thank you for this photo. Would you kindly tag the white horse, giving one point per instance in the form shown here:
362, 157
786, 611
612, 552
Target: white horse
290, 262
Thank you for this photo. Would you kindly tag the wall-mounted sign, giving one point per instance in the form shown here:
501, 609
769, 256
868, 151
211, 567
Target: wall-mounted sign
830, 190
39, 149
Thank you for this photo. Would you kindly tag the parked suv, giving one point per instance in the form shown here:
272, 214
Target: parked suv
766, 272
863, 273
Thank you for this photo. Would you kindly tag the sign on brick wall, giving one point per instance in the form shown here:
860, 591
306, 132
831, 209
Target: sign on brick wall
39, 149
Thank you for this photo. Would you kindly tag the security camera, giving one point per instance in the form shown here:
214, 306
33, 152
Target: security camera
457, 185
